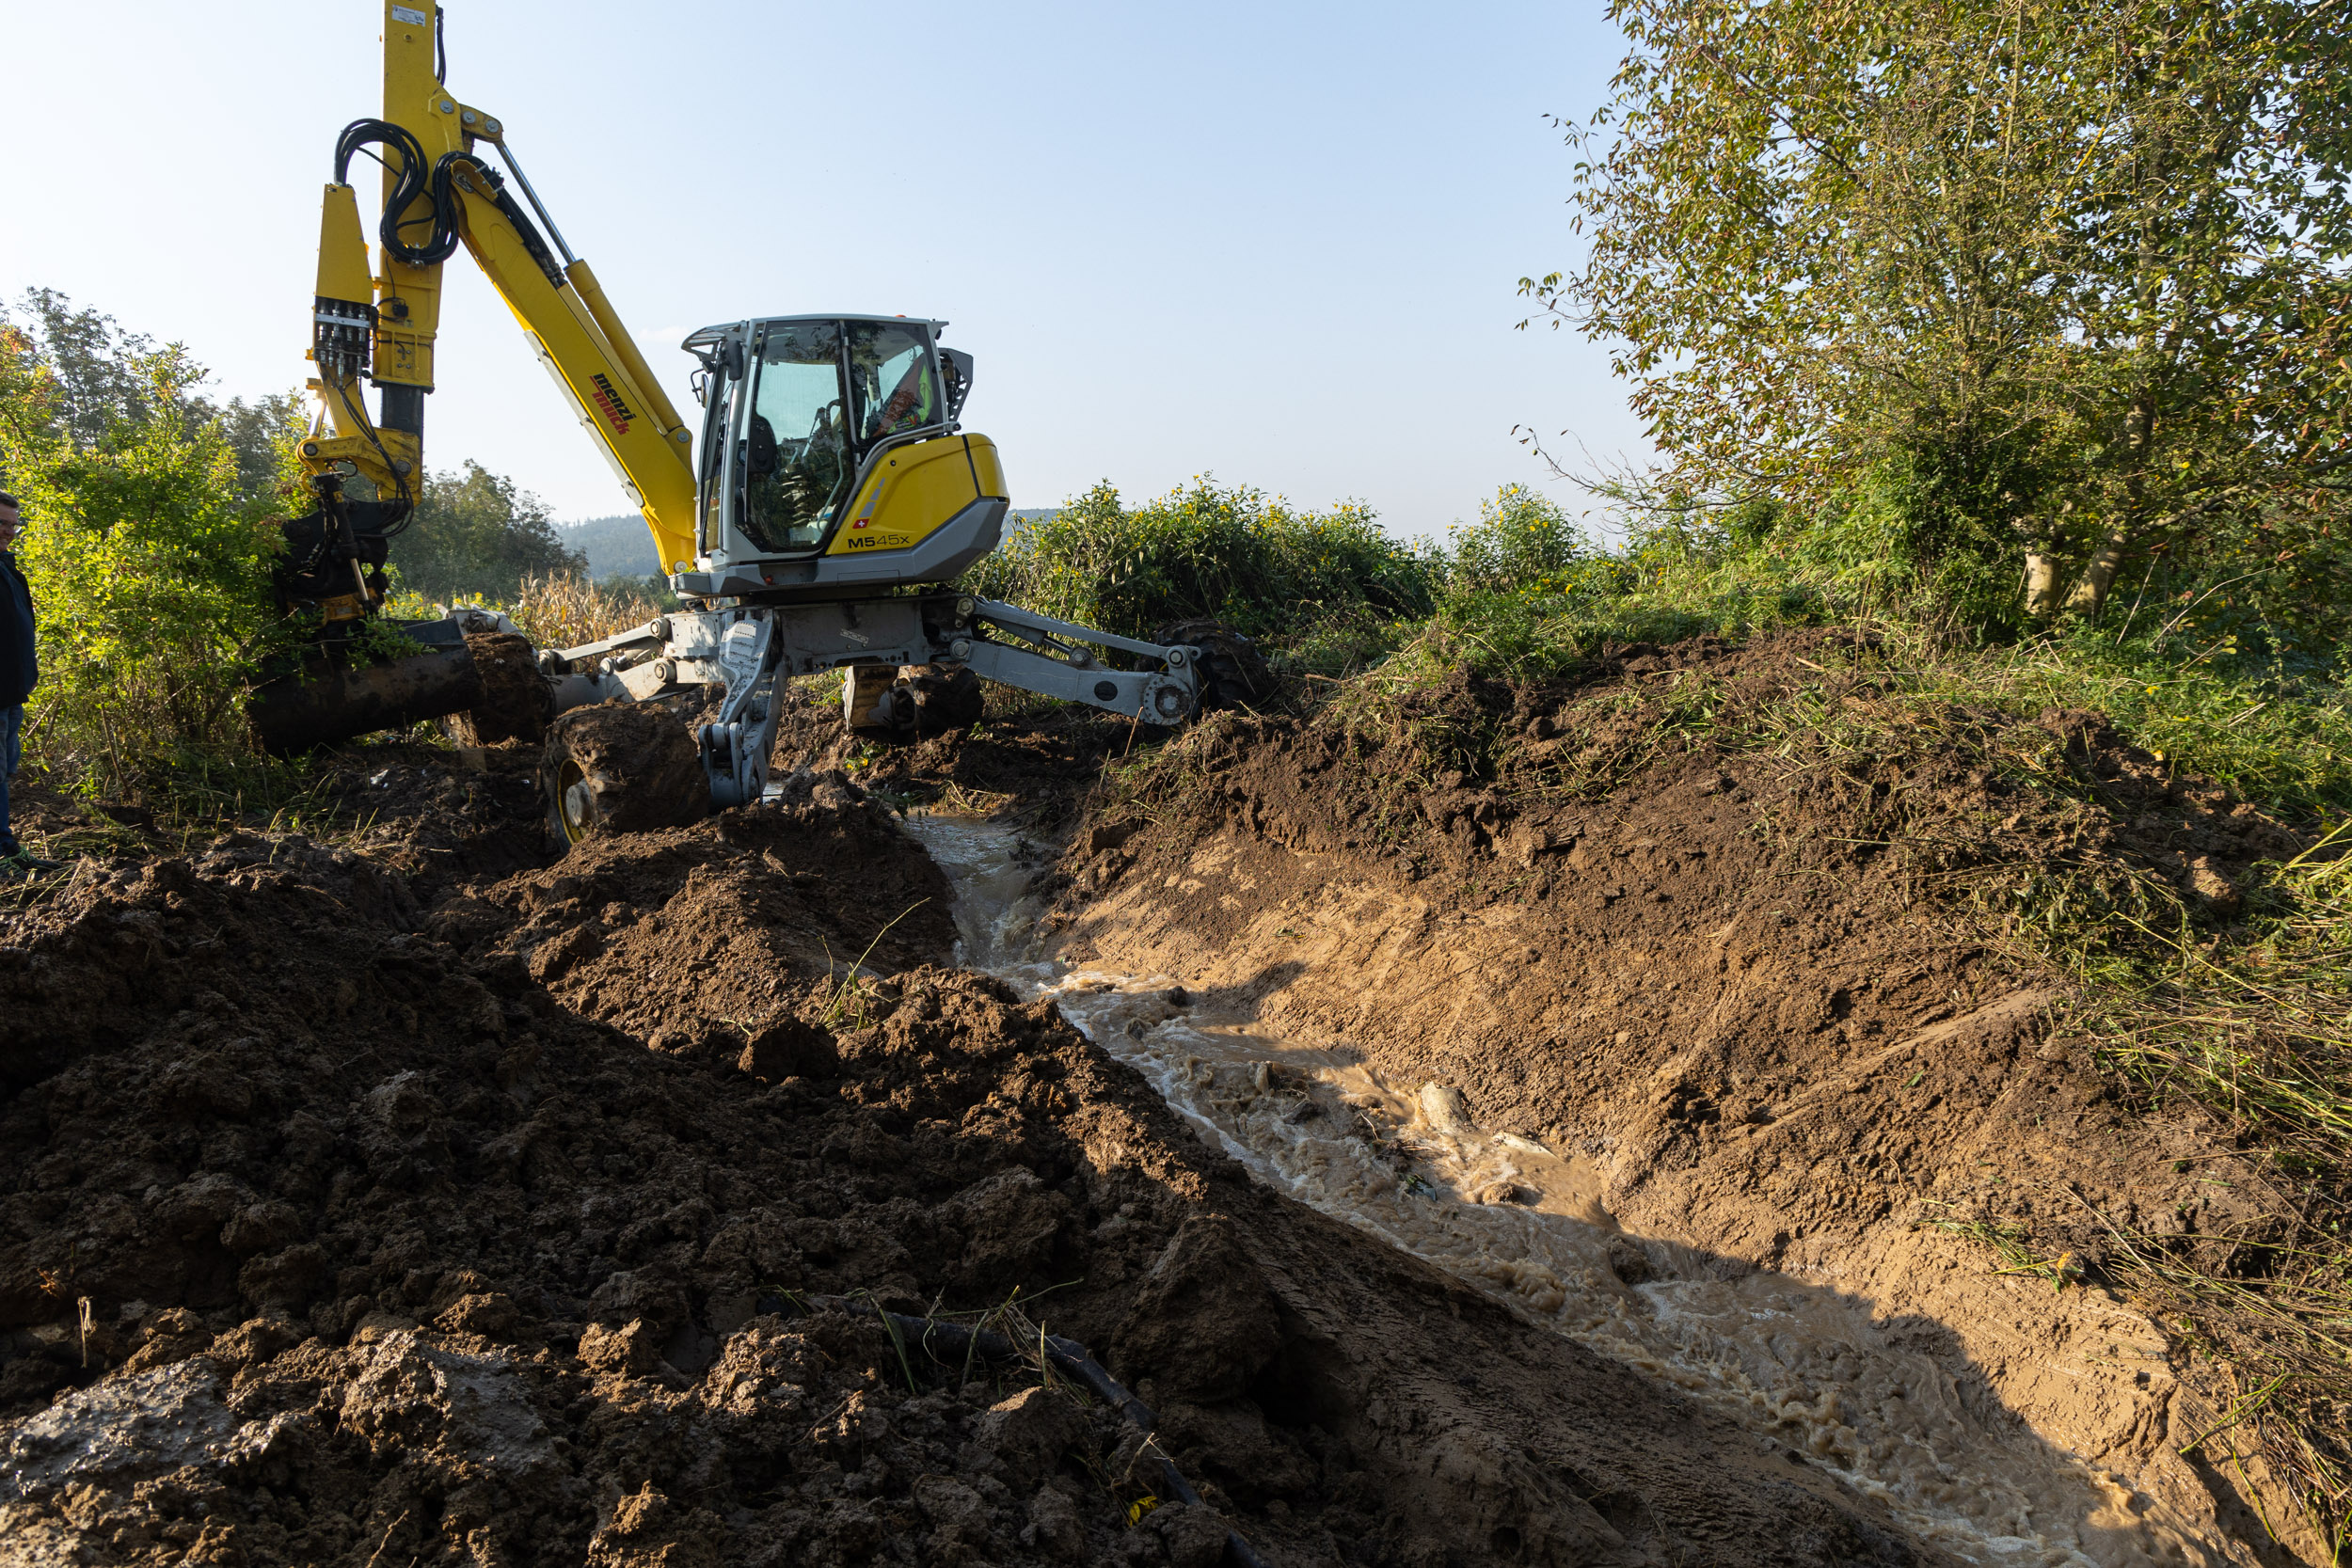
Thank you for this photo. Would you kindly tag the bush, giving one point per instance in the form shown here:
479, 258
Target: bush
1522, 543
148, 557
1206, 552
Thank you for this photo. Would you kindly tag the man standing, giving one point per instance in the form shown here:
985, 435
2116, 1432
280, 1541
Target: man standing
20, 671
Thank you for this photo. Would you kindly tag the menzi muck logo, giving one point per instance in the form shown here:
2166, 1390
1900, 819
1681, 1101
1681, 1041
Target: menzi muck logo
610, 402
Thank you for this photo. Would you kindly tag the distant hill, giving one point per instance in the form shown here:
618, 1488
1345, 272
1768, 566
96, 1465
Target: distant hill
621, 545
624, 544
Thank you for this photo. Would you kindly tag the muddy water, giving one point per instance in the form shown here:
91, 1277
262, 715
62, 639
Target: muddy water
1802, 1365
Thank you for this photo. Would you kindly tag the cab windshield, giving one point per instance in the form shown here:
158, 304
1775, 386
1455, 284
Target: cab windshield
796, 460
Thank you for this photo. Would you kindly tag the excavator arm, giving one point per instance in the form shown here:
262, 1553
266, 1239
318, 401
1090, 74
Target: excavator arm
440, 191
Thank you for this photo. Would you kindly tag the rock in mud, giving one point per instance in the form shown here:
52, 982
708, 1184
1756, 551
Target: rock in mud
790, 1048
1030, 1431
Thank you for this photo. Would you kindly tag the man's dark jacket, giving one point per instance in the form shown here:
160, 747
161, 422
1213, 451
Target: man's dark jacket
19, 671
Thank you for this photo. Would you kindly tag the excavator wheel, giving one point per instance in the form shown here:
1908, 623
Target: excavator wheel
621, 768
917, 700
946, 697
1234, 673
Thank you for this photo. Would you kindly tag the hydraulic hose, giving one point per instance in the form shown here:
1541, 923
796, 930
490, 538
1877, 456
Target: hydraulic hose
409, 181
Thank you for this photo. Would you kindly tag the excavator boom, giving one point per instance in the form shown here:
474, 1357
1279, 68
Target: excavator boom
441, 190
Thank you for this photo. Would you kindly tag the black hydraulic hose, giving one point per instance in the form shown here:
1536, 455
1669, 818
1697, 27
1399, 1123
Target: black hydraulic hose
411, 180
961, 1341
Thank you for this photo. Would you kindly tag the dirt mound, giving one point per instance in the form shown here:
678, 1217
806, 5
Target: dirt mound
515, 703
351, 1232
1685, 918
1039, 762
700, 941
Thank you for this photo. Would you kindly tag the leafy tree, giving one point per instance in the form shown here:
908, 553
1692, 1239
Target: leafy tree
149, 562
475, 534
95, 367
2038, 291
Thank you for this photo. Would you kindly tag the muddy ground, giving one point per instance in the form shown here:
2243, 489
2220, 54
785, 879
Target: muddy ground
402, 1192
1757, 987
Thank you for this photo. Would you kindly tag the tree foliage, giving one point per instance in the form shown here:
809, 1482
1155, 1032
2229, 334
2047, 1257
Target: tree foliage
2046, 292
146, 542
477, 534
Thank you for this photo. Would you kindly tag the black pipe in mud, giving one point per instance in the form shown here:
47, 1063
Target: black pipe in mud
949, 1344
332, 697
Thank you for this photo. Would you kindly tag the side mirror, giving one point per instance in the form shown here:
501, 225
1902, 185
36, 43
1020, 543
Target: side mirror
956, 366
731, 358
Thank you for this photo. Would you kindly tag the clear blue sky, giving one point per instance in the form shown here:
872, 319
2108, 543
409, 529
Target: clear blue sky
1278, 242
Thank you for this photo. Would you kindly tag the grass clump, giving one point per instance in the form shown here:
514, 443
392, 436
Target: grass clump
2253, 1025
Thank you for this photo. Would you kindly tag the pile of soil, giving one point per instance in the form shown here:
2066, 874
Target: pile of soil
359, 1206
1729, 976
515, 703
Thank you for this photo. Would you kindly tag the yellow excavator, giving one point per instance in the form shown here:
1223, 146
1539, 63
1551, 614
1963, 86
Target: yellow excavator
813, 523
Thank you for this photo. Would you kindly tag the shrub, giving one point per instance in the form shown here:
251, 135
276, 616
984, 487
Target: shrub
1523, 542
149, 559
1229, 554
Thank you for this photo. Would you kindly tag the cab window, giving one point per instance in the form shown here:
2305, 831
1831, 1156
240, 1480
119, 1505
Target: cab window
893, 382
796, 458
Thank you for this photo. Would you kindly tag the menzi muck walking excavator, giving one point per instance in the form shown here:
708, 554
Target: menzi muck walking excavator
831, 495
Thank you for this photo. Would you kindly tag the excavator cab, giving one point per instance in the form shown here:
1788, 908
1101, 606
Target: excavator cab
831, 458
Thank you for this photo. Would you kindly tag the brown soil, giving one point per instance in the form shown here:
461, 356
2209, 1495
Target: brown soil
1728, 977
639, 760
515, 703
346, 1216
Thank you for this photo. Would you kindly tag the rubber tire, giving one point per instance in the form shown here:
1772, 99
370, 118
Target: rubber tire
947, 697
621, 768
1234, 674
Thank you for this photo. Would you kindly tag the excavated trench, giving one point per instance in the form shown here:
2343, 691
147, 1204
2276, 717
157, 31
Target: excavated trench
1524, 1187
1525, 1224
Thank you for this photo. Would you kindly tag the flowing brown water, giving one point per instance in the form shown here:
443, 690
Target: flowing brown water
1802, 1365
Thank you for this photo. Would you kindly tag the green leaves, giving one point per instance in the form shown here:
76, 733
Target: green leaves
2070, 275
1230, 554
147, 547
